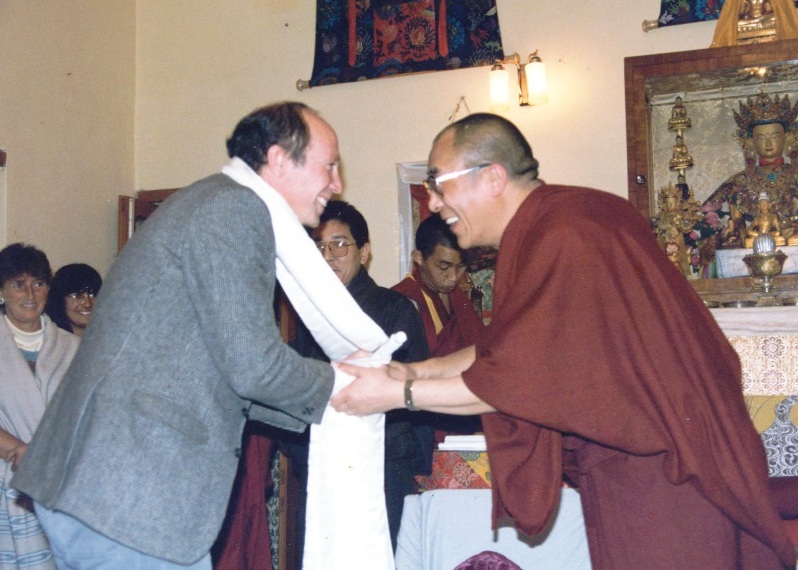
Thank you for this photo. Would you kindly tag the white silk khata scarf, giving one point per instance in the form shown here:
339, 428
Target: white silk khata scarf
346, 519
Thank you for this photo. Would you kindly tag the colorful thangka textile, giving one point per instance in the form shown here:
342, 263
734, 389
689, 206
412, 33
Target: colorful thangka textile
366, 39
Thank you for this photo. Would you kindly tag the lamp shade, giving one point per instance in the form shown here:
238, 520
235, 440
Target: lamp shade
499, 89
536, 82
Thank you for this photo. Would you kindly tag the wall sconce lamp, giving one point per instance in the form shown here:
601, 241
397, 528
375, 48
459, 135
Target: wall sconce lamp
532, 86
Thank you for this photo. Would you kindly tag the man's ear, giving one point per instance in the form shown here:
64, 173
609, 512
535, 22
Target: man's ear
365, 251
497, 178
416, 256
276, 158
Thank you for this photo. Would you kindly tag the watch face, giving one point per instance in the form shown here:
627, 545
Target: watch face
409, 396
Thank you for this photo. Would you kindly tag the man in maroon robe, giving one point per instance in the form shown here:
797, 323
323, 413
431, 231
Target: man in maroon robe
450, 320
602, 365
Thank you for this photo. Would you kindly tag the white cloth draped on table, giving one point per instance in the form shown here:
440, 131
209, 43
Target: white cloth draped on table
346, 520
443, 527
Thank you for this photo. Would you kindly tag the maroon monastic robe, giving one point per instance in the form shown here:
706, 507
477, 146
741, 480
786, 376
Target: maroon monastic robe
460, 327
595, 333
244, 542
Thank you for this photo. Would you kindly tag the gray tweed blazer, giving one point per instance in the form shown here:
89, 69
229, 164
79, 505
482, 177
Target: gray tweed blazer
141, 439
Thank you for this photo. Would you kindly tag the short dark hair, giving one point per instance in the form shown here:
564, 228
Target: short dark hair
347, 214
432, 232
280, 124
487, 138
19, 259
72, 278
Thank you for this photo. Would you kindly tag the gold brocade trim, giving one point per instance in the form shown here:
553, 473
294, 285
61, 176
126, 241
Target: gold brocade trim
762, 410
775, 187
780, 184
436, 320
763, 109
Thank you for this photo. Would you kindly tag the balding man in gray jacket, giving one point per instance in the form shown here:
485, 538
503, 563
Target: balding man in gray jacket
133, 462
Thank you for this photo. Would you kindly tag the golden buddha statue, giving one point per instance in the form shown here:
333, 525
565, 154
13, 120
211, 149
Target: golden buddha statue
730, 235
677, 215
792, 232
756, 20
681, 156
753, 21
765, 222
679, 119
766, 127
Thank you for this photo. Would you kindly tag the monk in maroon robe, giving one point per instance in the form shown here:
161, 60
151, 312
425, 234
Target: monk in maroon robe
447, 329
450, 320
603, 367
434, 285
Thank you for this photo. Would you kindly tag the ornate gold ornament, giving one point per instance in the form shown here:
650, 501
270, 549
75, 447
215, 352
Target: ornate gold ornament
677, 216
681, 158
763, 110
765, 222
754, 21
679, 120
757, 21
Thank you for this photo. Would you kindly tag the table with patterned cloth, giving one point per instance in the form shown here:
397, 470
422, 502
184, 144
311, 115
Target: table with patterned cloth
766, 339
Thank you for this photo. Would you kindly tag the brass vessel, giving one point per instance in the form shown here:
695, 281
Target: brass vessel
765, 266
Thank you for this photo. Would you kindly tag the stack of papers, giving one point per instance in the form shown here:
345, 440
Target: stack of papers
463, 443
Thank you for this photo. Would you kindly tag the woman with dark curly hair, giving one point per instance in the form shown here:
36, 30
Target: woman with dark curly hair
71, 297
35, 355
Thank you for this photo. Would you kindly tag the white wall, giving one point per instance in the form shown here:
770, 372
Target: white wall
72, 73
66, 120
201, 69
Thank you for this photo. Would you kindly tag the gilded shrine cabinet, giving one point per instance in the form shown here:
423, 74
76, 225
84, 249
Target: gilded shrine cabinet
686, 138
681, 130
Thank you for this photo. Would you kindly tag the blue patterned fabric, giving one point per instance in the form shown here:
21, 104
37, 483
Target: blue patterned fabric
674, 12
